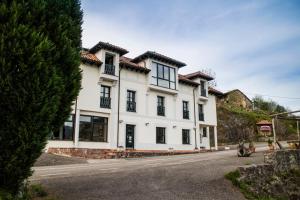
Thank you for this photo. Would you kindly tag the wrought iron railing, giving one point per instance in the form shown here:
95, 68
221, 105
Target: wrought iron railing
131, 106
161, 110
109, 69
201, 116
186, 114
105, 102
203, 92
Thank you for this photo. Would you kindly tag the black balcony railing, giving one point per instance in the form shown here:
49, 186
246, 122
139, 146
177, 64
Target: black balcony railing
109, 69
161, 110
131, 106
186, 114
201, 116
105, 102
203, 92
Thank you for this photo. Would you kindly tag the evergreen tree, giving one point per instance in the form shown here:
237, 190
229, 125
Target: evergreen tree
39, 79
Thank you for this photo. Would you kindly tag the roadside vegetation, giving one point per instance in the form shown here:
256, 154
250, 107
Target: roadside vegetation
281, 186
39, 81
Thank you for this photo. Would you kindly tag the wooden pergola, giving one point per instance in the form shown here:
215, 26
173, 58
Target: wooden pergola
285, 115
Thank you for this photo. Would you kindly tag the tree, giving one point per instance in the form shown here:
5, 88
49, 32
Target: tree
39, 79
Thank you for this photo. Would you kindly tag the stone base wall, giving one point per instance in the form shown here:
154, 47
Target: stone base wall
113, 153
277, 177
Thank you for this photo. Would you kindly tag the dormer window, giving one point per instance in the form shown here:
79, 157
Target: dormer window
202, 88
109, 67
163, 76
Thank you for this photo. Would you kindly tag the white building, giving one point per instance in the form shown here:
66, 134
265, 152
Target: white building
141, 104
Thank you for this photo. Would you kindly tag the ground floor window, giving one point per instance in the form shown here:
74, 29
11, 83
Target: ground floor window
185, 136
204, 131
93, 128
160, 135
65, 132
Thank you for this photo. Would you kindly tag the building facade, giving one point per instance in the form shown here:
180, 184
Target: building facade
139, 104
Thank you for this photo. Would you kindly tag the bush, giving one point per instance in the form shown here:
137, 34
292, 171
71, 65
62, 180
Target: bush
39, 80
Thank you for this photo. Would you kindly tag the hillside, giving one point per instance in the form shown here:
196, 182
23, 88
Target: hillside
235, 124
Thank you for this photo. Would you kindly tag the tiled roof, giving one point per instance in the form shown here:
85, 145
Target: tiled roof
237, 90
159, 57
108, 46
87, 57
183, 79
126, 62
264, 122
214, 91
199, 75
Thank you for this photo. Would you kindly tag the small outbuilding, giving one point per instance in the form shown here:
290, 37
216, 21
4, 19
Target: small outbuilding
264, 128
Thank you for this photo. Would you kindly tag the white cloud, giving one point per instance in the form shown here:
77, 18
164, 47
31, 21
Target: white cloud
241, 51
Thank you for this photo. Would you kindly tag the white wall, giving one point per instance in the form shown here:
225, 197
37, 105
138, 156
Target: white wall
145, 118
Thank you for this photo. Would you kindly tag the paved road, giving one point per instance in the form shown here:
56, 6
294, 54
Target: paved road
194, 176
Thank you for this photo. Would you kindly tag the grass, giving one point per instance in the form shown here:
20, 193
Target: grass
32, 192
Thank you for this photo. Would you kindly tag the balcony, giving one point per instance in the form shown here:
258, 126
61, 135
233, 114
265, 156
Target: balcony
109, 69
203, 93
201, 116
105, 102
161, 110
186, 114
131, 106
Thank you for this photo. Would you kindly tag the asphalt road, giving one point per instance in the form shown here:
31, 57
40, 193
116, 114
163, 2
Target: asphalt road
193, 176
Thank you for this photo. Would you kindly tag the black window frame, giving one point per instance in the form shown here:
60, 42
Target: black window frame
131, 101
161, 106
201, 112
62, 136
162, 76
105, 100
204, 131
185, 110
91, 134
202, 88
160, 134
186, 136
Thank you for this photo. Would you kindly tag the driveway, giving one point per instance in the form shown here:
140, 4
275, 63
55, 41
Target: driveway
193, 176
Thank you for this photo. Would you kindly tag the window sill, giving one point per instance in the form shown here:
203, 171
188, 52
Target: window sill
162, 89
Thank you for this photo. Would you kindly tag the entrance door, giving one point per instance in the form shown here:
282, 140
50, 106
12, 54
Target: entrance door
130, 136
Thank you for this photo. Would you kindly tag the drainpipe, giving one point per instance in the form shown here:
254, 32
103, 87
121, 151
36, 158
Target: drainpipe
74, 122
195, 123
118, 123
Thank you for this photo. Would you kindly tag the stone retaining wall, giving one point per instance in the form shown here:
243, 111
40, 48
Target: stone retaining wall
276, 177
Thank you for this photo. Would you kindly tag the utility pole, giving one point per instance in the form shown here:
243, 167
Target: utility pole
274, 131
298, 130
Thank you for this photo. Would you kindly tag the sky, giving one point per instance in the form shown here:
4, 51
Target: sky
253, 46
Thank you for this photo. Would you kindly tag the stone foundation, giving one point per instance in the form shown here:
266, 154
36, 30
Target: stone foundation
113, 153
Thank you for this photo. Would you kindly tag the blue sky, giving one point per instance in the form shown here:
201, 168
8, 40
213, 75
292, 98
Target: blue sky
250, 45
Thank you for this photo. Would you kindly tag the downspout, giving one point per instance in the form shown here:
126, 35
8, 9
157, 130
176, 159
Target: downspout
118, 123
74, 122
195, 123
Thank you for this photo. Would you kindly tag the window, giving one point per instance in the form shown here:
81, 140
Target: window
200, 111
109, 64
185, 136
163, 76
105, 97
131, 104
203, 90
66, 131
160, 106
204, 132
160, 135
185, 106
93, 128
